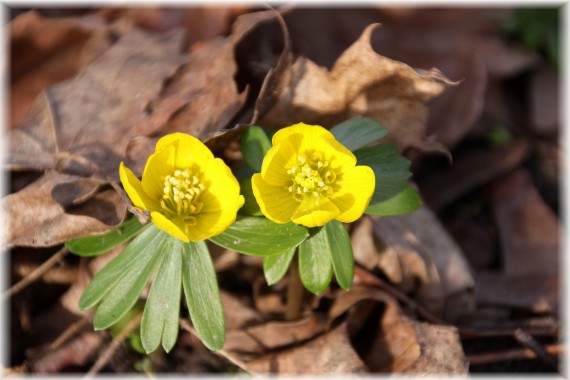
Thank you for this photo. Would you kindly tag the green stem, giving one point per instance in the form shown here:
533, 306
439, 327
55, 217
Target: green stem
294, 293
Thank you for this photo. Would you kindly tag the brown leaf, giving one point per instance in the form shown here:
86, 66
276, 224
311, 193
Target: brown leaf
330, 354
53, 210
528, 228
545, 101
535, 292
85, 123
470, 171
361, 82
418, 255
43, 51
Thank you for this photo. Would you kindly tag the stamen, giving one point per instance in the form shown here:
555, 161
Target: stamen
311, 177
181, 193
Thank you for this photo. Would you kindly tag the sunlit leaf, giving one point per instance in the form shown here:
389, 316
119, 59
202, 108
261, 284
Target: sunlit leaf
340, 249
358, 132
392, 196
162, 310
96, 245
202, 295
315, 265
275, 266
261, 237
254, 146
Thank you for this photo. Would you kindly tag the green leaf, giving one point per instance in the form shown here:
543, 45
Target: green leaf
340, 249
96, 245
315, 266
132, 279
275, 266
140, 250
358, 132
392, 196
250, 206
259, 236
162, 310
202, 295
254, 146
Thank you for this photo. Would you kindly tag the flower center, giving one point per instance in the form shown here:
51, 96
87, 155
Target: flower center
311, 177
181, 195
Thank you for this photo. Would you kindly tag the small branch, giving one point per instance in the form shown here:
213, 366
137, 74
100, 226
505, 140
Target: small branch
519, 354
112, 348
36, 274
294, 293
531, 343
69, 332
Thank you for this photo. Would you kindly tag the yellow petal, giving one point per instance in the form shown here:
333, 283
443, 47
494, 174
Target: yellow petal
278, 159
275, 202
189, 149
134, 189
169, 226
297, 131
355, 189
310, 215
221, 200
158, 165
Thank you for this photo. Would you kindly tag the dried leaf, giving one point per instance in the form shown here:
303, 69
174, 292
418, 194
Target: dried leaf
470, 171
361, 82
52, 210
330, 354
538, 293
528, 228
545, 101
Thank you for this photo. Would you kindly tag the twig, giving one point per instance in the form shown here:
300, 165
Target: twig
518, 354
69, 332
111, 348
184, 325
531, 343
37, 273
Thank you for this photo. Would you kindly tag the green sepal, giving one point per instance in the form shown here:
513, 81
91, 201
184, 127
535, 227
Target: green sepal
258, 236
254, 146
315, 265
98, 244
161, 315
358, 132
202, 295
392, 196
275, 266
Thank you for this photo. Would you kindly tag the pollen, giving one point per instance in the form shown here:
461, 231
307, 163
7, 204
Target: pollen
181, 195
311, 176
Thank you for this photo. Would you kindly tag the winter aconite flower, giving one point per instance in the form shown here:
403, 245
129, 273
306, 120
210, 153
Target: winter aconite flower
190, 194
308, 177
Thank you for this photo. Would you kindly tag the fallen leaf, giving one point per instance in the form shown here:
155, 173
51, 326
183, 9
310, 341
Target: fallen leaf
528, 228
330, 354
46, 213
545, 101
470, 171
361, 82
416, 253
43, 51
538, 293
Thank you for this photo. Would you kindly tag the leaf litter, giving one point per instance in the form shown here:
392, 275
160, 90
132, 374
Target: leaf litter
418, 306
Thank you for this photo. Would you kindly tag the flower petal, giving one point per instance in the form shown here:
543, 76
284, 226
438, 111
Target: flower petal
189, 149
278, 159
356, 187
169, 226
134, 189
275, 202
310, 215
158, 165
297, 131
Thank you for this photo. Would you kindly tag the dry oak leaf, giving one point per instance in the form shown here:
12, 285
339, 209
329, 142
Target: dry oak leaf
77, 131
361, 82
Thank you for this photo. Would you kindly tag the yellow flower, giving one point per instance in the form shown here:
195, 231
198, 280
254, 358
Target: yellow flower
308, 177
190, 194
